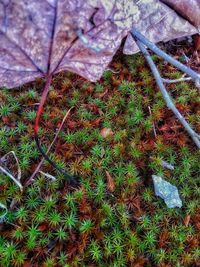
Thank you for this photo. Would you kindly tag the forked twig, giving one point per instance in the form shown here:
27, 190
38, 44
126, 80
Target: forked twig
141, 42
191, 73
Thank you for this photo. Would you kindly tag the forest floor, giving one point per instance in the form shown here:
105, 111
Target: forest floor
116, 136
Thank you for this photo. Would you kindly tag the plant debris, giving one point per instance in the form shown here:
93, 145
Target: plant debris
52, 224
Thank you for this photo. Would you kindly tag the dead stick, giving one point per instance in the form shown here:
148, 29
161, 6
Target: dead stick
30, 180
166, 95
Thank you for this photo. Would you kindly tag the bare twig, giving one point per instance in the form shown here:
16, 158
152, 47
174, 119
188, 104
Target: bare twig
34, 104
50, 146
186, 58
167, 165
141, 40
182, 79
12, 177
2, 206
49, 176
4, 158
113, 71
2, 169
154, 128
194, 75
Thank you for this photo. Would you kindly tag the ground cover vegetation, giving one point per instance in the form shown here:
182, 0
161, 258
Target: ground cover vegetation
116, 136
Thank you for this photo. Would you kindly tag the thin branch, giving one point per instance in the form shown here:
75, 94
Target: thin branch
154, 128
194, 75
36, 129
113, 71
49, 176
166, 95
6, 172
19, 175
2, 206
167, 165
11, 177
50, 146
182, 79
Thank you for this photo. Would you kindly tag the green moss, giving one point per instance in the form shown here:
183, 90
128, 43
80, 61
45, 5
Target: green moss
106, 221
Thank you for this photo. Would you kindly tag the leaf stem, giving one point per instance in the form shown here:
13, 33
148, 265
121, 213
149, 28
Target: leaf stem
31, 179
71, 178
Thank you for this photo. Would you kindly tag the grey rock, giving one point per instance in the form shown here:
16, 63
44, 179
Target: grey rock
166, 191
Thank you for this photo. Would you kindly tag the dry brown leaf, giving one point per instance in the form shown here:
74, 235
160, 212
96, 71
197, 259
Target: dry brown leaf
100, 95
106, 132
187, 220
110, 182
197, 42
96, 122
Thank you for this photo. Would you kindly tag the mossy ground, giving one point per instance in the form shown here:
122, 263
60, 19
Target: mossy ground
105, 222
